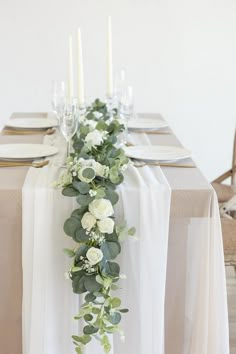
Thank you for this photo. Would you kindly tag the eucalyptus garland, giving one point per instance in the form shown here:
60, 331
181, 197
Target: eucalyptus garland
94, 171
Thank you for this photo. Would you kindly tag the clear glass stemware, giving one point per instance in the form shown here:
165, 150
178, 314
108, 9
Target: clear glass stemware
58, 98
69, 123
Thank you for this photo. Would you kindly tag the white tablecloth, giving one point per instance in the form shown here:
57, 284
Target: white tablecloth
177, 304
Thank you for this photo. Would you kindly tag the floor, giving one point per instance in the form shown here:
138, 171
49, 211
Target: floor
231, 289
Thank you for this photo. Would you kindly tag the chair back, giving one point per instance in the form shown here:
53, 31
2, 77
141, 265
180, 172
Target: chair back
233, 179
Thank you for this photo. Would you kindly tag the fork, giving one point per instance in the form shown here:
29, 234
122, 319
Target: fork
49, 131
24, 163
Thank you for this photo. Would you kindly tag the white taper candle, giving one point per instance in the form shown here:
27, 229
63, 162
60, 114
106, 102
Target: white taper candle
80, 71
109, 60
70, 80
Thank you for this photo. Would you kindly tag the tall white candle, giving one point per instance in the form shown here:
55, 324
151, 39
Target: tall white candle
109, 60
70, 79
80, 71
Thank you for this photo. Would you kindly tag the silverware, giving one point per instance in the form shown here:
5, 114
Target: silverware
23, 163
151, 132
49, 131
142, 164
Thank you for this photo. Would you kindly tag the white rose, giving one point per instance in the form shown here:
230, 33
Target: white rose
101, 208
94, 255
99, 168
86, 179
90, 123
95, 138
106, 225
88, 221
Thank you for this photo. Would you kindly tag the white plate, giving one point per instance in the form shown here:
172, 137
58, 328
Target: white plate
147, 123
26, 151
32, 123
156, 152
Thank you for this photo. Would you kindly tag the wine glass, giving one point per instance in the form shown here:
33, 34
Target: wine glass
58, 97
127, 103
119, 86
126, 110
69, 122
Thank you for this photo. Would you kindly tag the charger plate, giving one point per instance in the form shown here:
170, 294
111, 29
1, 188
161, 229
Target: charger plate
156, 153
26, 151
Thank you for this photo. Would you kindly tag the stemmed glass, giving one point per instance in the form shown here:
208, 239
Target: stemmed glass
58, 97
69, 122
127, 103
119, 86
126, 110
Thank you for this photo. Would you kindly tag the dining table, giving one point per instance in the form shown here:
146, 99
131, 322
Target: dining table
175, 286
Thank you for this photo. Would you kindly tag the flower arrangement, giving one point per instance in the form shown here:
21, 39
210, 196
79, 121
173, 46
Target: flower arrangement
94, 171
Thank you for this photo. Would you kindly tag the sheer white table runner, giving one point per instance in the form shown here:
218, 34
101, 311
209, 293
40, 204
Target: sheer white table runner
177, 303
48, 302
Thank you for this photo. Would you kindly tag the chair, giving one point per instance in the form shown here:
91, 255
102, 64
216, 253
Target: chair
227, 202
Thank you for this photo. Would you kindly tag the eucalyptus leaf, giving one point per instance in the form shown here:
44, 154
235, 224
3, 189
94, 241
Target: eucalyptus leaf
115, 318
90, 297
91, 284
90, 330
88, 317
112, 237
89, 173
78, 284
101, 125
131, 231
85, 339
82, 187
79, 212
106, 344
70, 253
112, 269
90, 115
123, 310
78, 350
100, 193
71, 225
95, 310
110, 250
81, 252
84, 199
112, 196
81, 235
70, 192
115, 302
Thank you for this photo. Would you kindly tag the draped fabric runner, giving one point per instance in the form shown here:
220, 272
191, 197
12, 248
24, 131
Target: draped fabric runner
175, 287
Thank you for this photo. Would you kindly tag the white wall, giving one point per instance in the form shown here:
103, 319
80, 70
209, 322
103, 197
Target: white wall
180, 56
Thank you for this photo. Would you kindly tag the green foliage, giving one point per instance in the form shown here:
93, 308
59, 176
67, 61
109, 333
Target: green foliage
71, 225
91, 285
84, 199
78, 283
106, 344
82, 339
82, 187
110, 250
96, 179
90, 330
70, 253
70, 192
